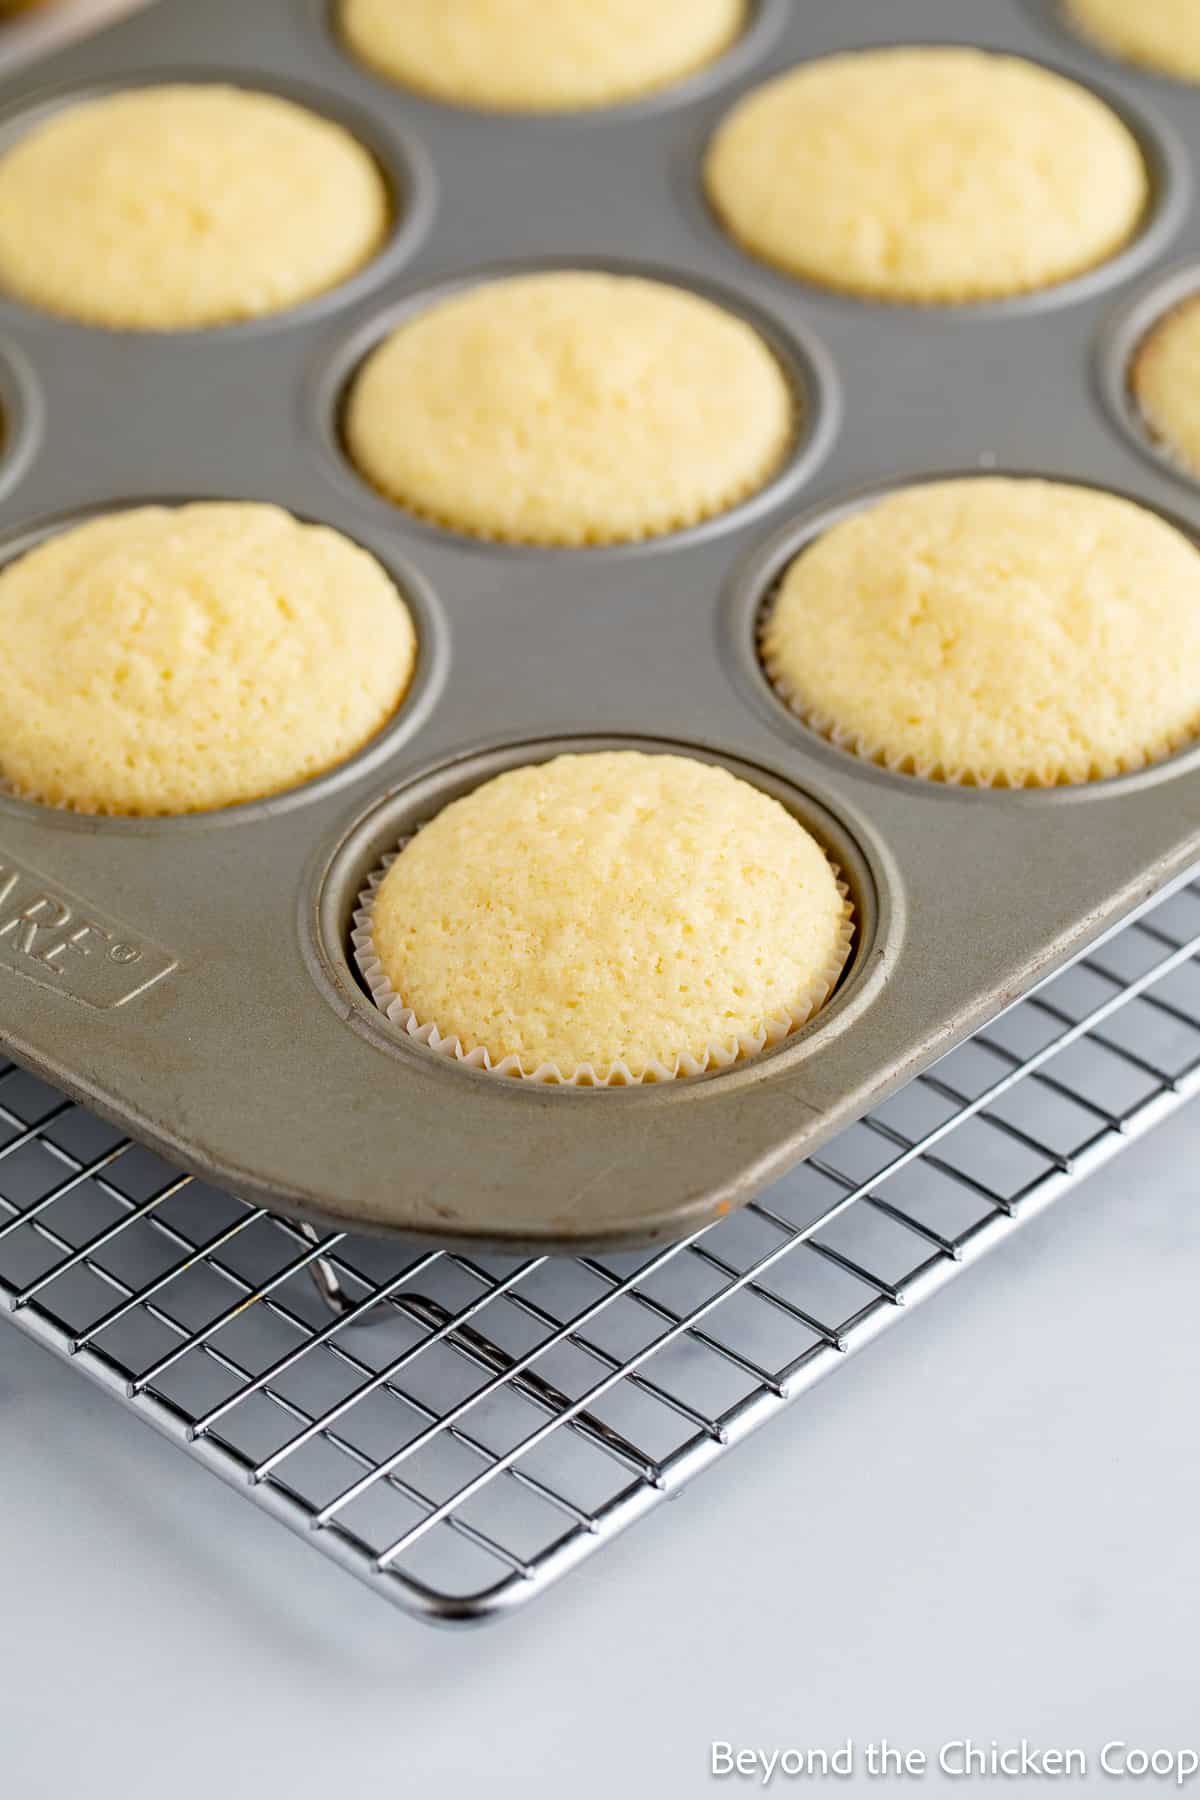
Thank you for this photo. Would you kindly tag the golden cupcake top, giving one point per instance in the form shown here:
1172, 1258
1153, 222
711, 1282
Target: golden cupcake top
995, 631
167, 208
927, 174
1165, 380
570, 408
611, 909
538, 55
1162, 34
176, 659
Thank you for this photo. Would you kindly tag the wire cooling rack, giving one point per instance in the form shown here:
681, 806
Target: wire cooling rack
461, 1430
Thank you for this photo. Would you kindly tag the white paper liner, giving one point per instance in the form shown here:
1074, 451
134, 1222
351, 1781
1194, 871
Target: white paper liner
618, 1074
903, 762
11, 791
1160, 437
592, 537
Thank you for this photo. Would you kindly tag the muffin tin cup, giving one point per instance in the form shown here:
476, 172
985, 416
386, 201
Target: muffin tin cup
1131, 326
803, 361
406, 171
754, 596
765, 23
1053, 15
618, 1074
1163, 150
218, 1013
419, 697
757, 597
21, 418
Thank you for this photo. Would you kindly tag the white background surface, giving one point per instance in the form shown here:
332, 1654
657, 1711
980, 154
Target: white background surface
985, 1526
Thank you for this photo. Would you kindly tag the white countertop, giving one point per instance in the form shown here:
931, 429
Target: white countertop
983, 1526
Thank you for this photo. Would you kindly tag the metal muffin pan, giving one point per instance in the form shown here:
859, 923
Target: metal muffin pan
190, 977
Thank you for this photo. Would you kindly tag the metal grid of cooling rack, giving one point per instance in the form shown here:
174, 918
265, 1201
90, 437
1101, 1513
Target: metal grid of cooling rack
460, 1430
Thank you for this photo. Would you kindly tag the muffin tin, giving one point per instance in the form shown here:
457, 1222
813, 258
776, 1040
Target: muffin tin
191, 977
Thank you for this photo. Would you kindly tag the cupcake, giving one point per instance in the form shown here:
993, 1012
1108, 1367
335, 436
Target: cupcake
570, 408
177, 659
1161, 34
605, 918
1165, 383
538, 55
928, 175
1007, 633
167, 208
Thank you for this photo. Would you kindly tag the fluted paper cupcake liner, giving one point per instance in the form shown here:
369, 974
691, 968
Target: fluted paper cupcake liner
720, 1055
902, 762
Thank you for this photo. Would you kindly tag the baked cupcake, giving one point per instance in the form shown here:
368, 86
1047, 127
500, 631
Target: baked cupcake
607, 917
1165, 382
167, 208
570, 408
1161, 34
177, 659
927, 175
538, 55
1006, 633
